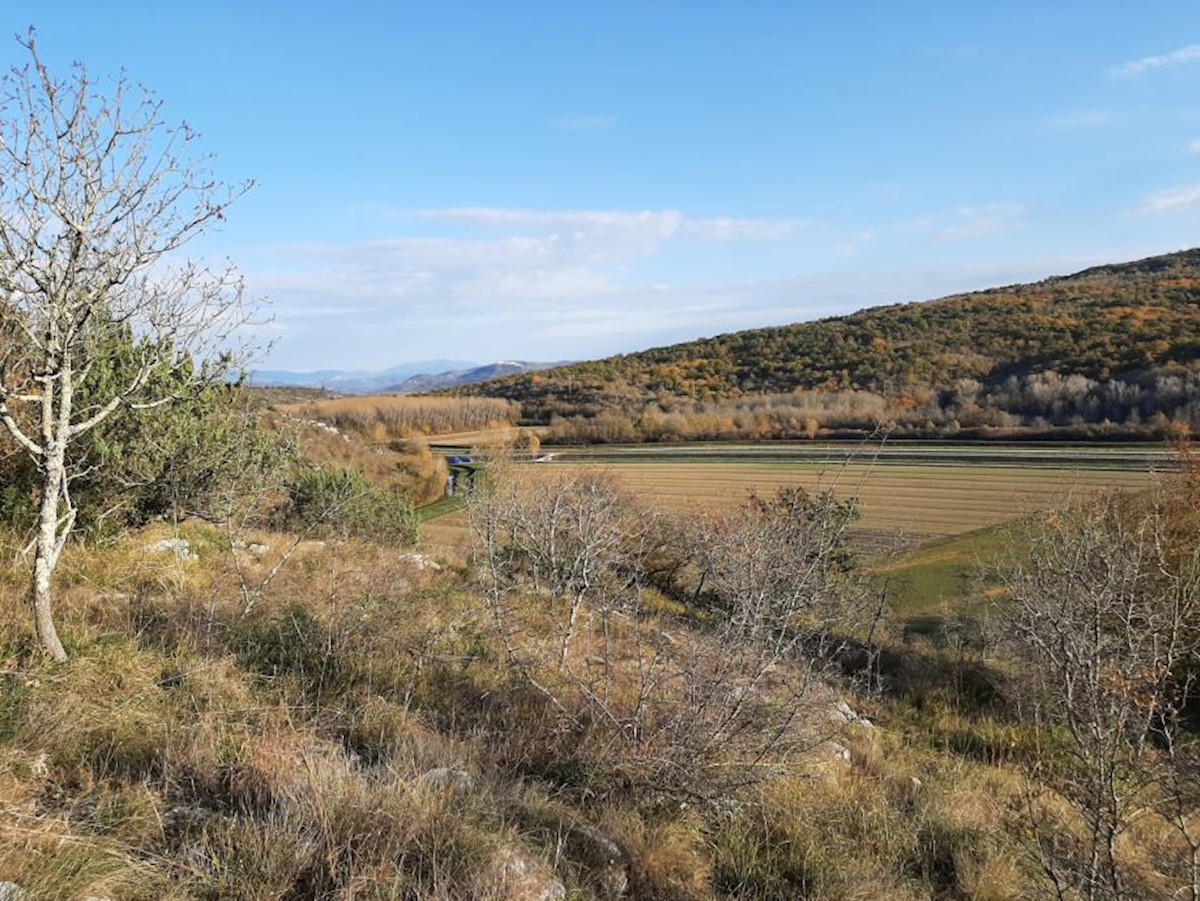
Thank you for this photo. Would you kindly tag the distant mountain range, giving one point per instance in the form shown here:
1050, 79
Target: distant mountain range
407, 378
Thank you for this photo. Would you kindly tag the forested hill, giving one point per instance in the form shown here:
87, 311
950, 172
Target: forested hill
1102, 323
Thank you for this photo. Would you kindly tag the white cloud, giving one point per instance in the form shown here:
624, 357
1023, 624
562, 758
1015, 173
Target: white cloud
725, 229
545, 237
1172, 200
1089, 118
982, 221
1138, 67
557, 318
663, 223
506, 252
585, 123
501, 274
1194, 147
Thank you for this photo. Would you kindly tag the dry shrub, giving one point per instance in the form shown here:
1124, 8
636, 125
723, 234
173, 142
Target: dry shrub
383, 731
994, 877
106, 714
398, 416
403, 464
904, 821
693, 706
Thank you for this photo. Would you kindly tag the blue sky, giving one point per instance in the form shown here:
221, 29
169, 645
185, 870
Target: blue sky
568, 180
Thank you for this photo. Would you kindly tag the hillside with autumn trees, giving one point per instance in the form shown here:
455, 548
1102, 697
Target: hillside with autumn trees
1112, 349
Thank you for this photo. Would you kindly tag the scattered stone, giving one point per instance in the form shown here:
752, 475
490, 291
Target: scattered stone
257, 549
846, 715
840, 751
10, 891
323, 426
514, 876
446, 777
604, 859
420, 561
843, 712
186, 815
177, 546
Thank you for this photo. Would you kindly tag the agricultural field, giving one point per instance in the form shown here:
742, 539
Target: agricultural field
923, 501
907, 496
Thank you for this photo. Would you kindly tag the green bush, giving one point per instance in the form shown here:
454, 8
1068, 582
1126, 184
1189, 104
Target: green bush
345, 503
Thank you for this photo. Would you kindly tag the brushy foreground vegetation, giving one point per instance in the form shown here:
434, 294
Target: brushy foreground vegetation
615, 705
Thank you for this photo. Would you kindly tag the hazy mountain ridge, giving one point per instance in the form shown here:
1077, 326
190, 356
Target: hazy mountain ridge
354, 381
407, 378
452, 378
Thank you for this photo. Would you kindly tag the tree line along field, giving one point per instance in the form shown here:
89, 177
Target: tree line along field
398, 416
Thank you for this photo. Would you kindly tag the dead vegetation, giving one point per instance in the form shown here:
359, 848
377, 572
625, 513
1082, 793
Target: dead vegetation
383, 417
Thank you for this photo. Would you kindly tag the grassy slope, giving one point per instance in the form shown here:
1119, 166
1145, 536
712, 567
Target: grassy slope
190, 750
948, 575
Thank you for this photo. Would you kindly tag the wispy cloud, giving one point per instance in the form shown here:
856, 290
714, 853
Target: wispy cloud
726, 229
1172, 200
522, 255
1089, 118
591, 122
1194, 147
982, 221
1134, 68
666, 222
556, 313
661, 223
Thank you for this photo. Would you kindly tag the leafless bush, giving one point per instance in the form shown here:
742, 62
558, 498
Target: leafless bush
698, 701
1107, 611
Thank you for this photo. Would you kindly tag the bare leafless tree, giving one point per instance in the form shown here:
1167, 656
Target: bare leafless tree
98, 198
1106, 609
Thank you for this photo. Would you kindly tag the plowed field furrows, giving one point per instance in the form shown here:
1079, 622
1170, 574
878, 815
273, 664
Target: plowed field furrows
929, 500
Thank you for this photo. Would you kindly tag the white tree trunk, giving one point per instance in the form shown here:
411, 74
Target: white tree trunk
49, 546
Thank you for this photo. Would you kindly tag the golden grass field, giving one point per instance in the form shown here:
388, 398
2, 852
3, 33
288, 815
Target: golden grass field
923, 501
930, 500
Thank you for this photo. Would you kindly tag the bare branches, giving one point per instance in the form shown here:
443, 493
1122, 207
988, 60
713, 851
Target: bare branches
1107, 612
567, 562
98, 194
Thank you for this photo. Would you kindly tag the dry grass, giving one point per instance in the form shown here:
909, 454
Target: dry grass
358, 736
389, 416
